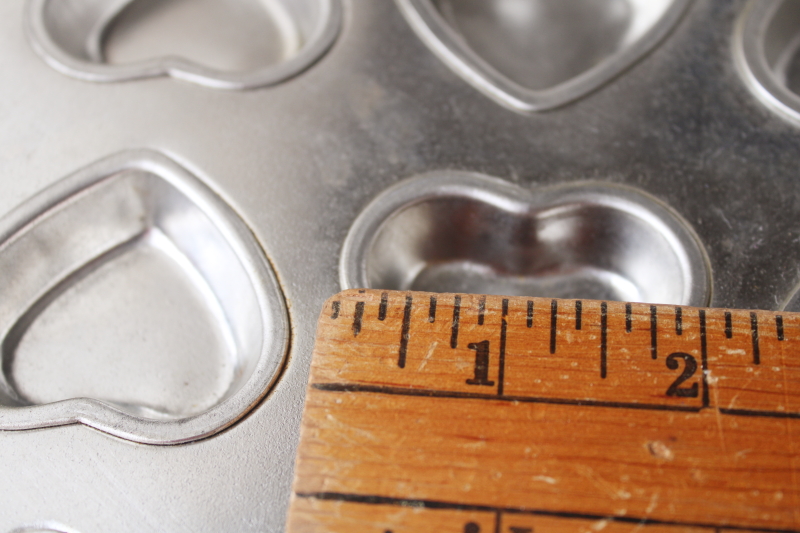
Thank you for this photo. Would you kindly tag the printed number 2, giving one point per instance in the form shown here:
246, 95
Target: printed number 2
689, 368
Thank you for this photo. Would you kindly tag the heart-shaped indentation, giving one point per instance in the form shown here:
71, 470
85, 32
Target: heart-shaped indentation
228, 44
137, 302
532, 55
460, 232
767, 54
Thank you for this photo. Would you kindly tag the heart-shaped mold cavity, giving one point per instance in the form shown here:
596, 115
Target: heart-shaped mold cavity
135, 301
532, 55
227, 44
460, 232
767, 54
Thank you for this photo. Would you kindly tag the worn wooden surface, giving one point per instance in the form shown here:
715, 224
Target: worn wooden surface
471, 414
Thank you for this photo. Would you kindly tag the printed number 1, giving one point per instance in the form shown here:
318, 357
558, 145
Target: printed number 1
481, 364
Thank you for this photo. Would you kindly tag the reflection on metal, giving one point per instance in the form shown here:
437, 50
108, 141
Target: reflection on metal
300, 161
460, 232
136, 302
533, 55
766, 47
115, 40
792, 302
44, 527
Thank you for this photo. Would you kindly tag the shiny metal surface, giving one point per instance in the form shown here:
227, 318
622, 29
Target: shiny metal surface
459, 232
532, 55
44, 528
135, 258
264, 42
300, 160
767, 52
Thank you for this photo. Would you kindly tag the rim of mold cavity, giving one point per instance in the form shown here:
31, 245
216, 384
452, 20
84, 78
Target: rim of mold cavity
751, 61
314, 47
682, 239
273, 319
47, 526
453, 50
791, 303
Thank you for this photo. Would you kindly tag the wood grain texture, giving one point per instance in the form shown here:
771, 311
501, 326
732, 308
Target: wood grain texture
548, 416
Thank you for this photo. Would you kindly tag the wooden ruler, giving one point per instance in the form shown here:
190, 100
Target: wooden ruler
463, 413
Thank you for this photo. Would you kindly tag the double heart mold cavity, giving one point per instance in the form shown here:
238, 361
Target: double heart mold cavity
532, 55
766, 47
462, 232
137, 302
226, 44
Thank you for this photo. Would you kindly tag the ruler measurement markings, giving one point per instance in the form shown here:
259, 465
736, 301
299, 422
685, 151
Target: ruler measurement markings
527, 393
430, 438
342, 512
502, 356
529, 322
728, 325
603, 340
456, 319
756, 413
706, 330
699, 374
382, 308
430, 393
576, 520
481, 364
754, 336
553, 324
653, 332
412, 320
482, 354
358, 317
697, 369
403, 336
704, 356
768, 387
628, 319
405, 332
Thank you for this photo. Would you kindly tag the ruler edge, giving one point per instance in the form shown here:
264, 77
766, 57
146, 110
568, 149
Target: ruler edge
355, 295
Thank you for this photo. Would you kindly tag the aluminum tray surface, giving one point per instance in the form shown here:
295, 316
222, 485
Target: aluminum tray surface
389, 144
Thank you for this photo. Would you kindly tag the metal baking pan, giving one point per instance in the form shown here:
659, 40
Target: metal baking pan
184, 182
